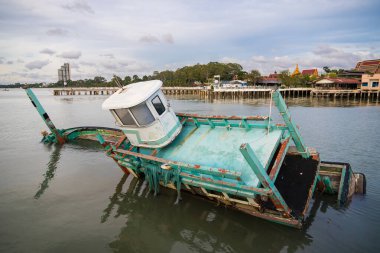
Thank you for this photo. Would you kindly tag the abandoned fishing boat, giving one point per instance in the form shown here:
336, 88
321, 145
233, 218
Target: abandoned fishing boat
246, 163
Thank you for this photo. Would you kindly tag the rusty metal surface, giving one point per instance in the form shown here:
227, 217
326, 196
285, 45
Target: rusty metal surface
221, 117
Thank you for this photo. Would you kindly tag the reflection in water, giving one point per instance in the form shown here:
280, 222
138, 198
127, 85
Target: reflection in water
154, 224
51, 168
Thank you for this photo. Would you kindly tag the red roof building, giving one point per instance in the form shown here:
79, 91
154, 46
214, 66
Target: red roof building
269, 81
310, 72
370, 66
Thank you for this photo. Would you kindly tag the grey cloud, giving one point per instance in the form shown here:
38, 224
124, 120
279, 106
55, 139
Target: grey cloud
149, 39
57, 32
74, 66
126, 63
328, 51
20, 61
47, 51
2, 60
110, 66
320, 56
79, 6
324, 50
111, 56
91, 64
9, 62
336, 57
36, 64
71, 55
168, 38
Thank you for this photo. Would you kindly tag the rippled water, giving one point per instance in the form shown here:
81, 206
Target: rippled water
75, 199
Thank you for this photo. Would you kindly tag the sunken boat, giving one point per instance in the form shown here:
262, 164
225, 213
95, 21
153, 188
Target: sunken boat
250, 164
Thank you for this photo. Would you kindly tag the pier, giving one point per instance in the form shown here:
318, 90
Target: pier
85, 91
258, 92
233, 93
354, 94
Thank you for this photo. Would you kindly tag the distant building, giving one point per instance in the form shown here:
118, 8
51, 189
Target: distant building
310, 72
233, 84
268, 81
351, 74
337, 84
296, 71
64, 73
370, 82
369, 66
274, 75
305, 72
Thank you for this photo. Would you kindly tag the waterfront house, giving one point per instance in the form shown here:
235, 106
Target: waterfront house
337, 84
370, 82
269, 82
273, 80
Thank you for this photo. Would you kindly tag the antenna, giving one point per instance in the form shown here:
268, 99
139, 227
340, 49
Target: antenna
117, 82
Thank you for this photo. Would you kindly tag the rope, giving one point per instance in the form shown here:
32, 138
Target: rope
270, 110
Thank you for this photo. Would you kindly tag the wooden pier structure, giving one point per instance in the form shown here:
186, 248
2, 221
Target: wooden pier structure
233, 93
85, 91
355, 94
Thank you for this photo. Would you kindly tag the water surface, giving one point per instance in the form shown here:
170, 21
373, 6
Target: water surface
75, 199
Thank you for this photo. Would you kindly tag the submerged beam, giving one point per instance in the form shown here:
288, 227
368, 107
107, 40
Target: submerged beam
44, 116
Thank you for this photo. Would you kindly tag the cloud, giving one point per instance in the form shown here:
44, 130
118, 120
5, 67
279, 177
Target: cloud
90, 64
71, 54
57, 32
322, 55
79, 6
9, 62
20, 61
111, 56
2, 60
37, 64
110, 66
168, 38
149, 39
47, 51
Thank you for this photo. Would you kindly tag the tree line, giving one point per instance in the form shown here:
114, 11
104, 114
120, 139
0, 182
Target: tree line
199, 74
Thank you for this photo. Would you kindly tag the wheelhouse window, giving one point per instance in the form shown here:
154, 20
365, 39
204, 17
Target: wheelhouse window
375, 84
142, 114
158, 105
365, 84
125, 117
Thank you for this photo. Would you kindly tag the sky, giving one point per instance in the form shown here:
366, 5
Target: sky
127, 37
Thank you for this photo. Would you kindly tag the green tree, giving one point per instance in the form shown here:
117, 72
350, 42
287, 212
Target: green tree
253, 76
99, 79
127, 80
136, 78
326, 69
116, 81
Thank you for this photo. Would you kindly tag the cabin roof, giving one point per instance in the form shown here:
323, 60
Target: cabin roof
131, 95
